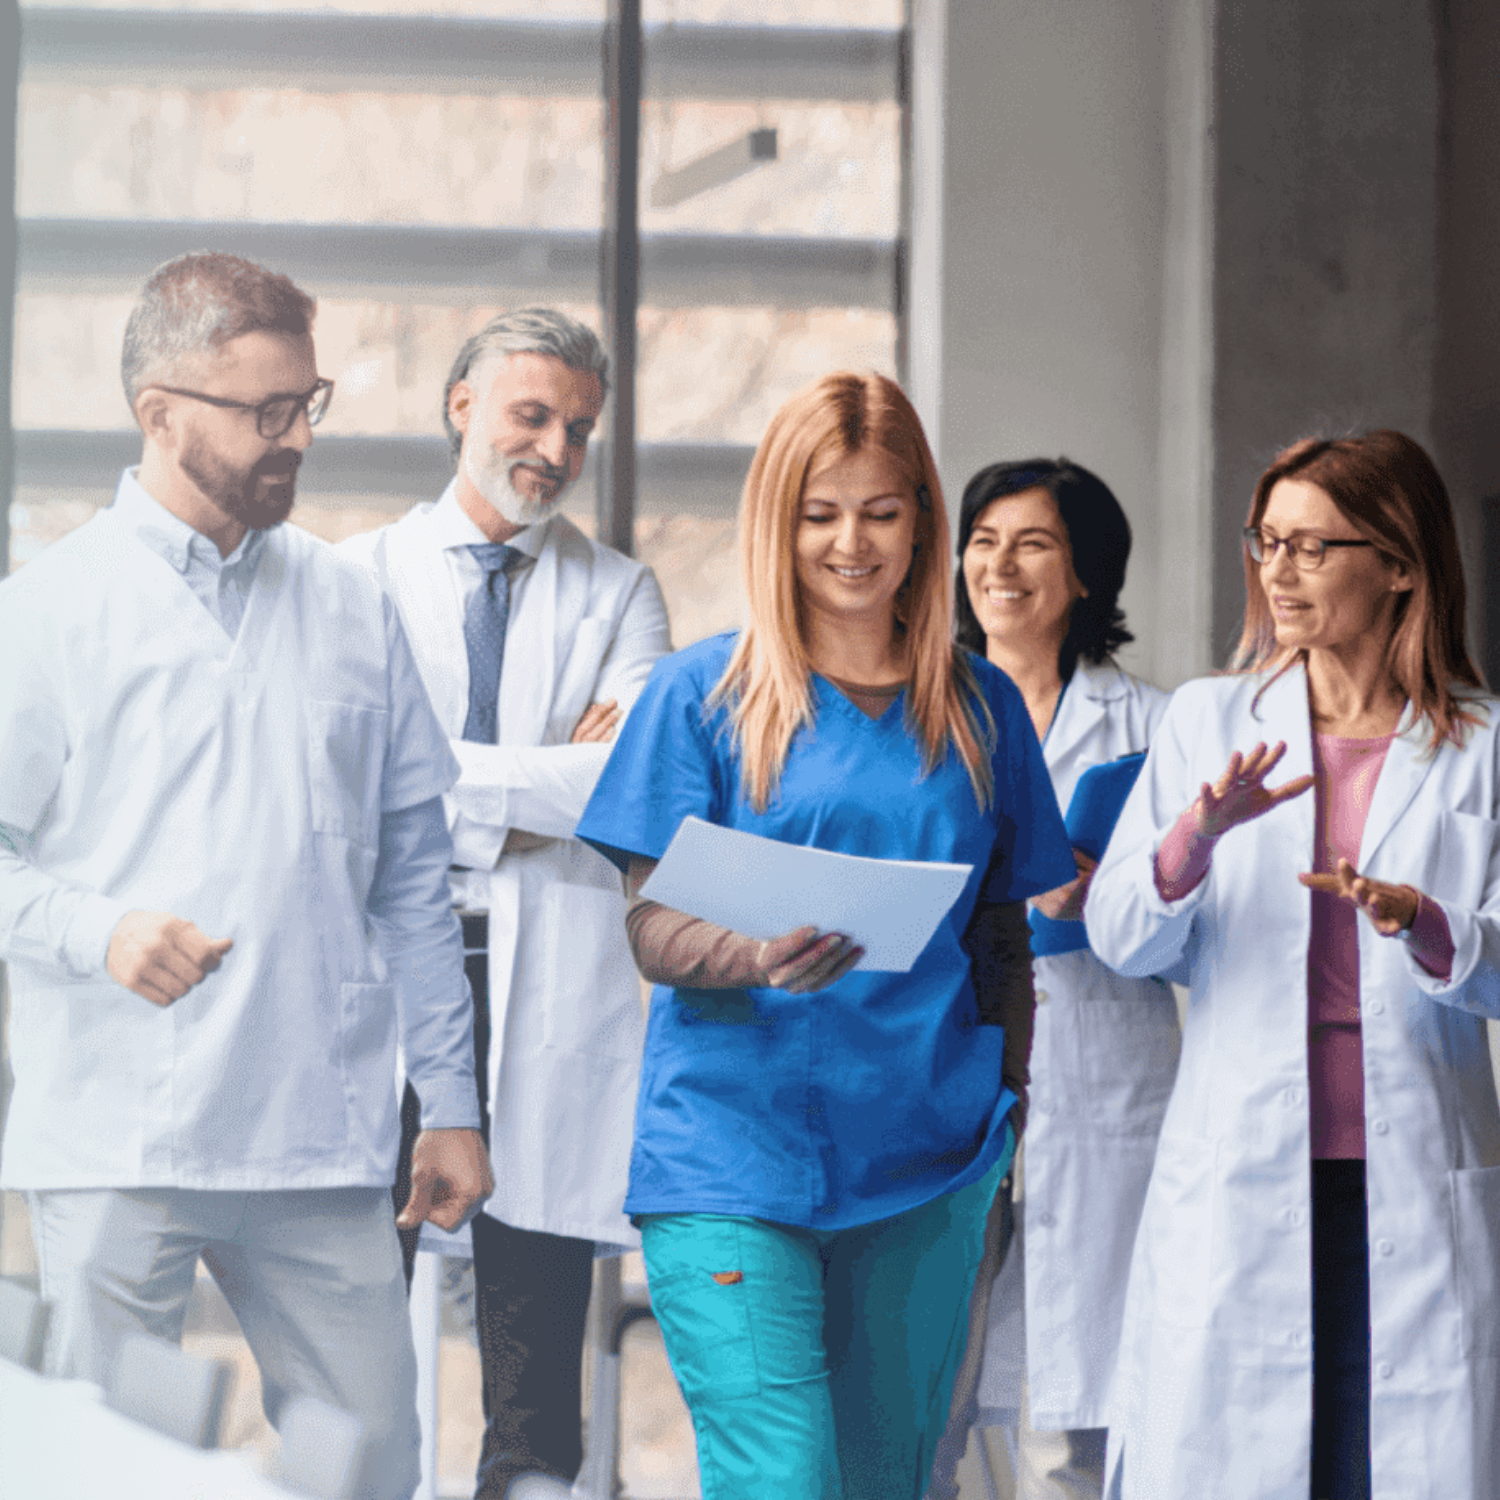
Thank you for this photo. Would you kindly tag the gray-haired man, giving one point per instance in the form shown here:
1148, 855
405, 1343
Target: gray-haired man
219, 778
533, 640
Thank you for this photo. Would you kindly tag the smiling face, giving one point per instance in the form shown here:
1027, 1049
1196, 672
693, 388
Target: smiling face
526, 421
1018, 569
246, 478
1349, 600
855, 532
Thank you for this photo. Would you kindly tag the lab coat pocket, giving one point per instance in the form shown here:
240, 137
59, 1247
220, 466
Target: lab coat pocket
345, 754
1178, 1228
592, 992
1476, 1249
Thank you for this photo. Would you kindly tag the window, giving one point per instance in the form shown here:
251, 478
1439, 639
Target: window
420, 164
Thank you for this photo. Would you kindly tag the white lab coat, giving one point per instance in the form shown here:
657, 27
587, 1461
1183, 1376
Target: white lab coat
1213, 1388
239, 784
1103, 1057
567, 1027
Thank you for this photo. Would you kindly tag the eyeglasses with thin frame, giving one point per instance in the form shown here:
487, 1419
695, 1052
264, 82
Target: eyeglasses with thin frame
275, 415
1305, 550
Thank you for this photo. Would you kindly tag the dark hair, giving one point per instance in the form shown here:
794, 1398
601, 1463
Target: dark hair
1098, 538
197, 303
1391, 493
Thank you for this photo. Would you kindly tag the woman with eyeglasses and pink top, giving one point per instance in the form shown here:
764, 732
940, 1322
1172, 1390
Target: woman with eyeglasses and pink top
1313, 1306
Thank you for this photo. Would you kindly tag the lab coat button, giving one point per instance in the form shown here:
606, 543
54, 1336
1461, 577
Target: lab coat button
1041, 997
1046, 1220
1376, 1007
1381, 1127
1385, 1247
1298, 1217
1384, 1370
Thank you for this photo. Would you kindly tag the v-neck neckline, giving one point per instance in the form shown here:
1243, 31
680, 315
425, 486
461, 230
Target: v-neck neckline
235, 652
843, 698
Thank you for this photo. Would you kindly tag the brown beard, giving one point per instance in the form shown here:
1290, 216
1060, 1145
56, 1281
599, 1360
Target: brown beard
237, 492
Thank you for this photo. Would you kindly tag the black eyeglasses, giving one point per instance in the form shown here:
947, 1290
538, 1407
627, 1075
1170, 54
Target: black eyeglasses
275, 415
1305, 550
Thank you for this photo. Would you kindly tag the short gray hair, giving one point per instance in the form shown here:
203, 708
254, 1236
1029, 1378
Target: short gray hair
527, 330
199, 302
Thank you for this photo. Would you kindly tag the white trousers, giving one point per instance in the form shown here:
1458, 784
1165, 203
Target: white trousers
314, 1277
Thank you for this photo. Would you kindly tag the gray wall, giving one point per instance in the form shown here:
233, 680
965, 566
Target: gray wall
1039, 199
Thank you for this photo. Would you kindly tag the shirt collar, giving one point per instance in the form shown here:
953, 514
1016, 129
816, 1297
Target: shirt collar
170, 536
454, 527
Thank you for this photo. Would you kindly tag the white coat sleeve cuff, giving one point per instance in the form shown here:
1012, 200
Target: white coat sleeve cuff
1473, 983
476, 846
449, 1101
87, 936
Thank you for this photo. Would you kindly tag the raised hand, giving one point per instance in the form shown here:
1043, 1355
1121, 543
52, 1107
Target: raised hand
1065, 904
1390, 908
598, 724
804, 960
1241, 795
161, 957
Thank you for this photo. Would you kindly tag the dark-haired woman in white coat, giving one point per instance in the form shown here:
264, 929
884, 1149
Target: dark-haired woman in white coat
1043, 546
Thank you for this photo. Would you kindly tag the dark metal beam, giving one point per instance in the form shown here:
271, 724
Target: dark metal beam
619, 269
461, 264
447, 54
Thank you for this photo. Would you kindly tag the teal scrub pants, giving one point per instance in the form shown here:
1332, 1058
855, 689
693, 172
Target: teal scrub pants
817, 1364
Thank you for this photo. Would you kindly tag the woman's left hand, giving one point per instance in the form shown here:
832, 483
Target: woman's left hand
1065, 904
1390, 908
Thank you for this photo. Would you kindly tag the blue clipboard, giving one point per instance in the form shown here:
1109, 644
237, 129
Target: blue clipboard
1098, 800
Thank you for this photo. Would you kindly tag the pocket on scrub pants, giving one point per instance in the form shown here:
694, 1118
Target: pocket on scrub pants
701, 1298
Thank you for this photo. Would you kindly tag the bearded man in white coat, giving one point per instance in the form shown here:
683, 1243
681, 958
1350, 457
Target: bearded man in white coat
223, 890
533, 640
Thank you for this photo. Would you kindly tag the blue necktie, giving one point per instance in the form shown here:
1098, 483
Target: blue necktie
484, 637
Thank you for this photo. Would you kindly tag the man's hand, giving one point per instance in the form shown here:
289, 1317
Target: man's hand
161, 957
450, 1174
1065, 904
598, 724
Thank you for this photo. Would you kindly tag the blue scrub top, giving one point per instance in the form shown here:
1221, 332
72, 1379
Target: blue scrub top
883, 1091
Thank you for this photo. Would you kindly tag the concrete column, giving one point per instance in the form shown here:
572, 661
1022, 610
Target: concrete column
1324, 257
1038, 211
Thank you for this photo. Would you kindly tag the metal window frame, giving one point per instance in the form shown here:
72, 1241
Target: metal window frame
466, 264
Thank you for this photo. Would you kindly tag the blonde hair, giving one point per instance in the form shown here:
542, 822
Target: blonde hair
765, 684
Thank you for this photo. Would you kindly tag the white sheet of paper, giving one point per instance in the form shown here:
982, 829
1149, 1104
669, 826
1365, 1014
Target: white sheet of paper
763, 888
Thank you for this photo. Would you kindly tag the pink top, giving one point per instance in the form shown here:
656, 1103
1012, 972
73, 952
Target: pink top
1346, 771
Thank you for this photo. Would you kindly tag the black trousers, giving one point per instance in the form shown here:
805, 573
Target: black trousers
1341, 1332
531, 1295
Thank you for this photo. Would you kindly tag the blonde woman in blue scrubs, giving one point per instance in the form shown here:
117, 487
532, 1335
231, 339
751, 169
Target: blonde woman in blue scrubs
817, 1146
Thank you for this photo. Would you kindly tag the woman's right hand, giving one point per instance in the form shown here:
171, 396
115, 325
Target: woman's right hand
1241, 795
804, 960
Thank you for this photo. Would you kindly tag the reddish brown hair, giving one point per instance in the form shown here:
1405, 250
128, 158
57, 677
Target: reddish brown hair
1389, 490
766, 683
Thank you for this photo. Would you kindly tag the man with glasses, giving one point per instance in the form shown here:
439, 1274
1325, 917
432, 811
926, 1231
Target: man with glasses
223, 890
532, 639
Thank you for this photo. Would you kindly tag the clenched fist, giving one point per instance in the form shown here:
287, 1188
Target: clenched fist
161, 957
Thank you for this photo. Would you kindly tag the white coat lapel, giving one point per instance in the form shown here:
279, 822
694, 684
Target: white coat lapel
422, 587
1084, 703
1407, 764
528, 675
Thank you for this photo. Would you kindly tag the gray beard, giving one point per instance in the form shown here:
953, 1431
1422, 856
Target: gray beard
504, 498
